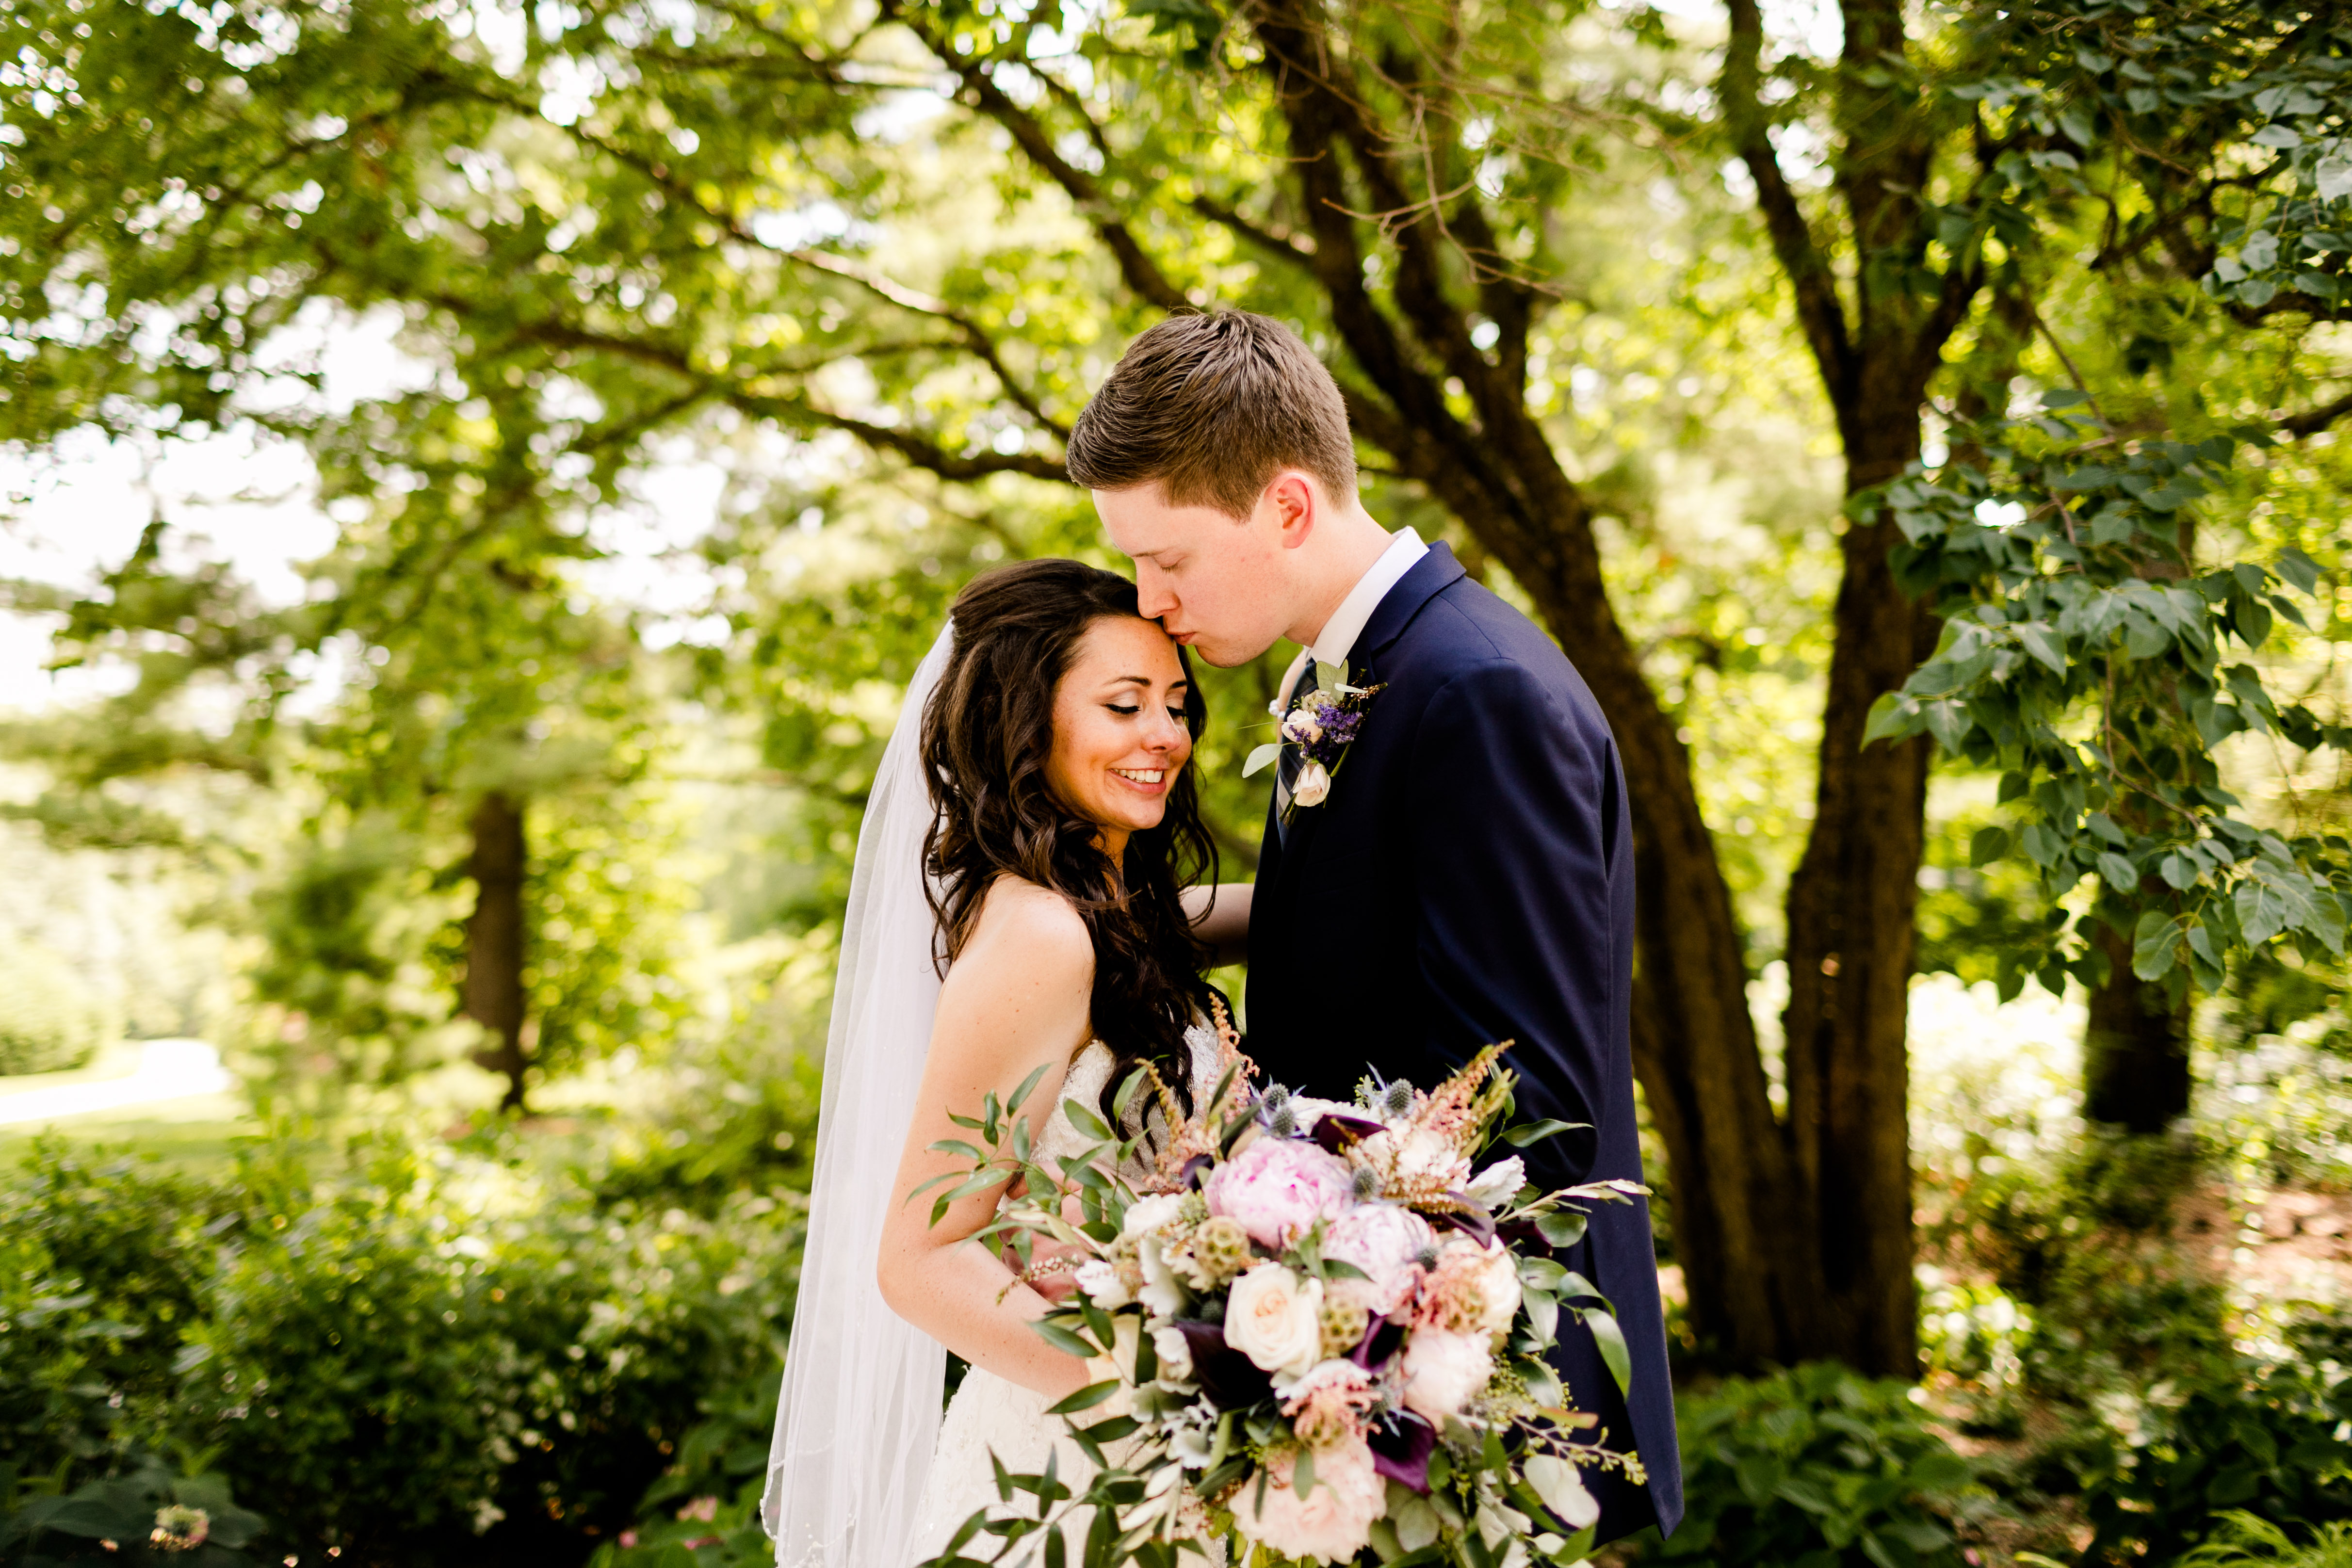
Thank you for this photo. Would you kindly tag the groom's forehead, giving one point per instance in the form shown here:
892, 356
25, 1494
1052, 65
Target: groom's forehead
1142, 522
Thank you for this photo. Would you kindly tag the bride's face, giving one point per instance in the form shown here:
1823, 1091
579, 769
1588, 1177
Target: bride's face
1120, 739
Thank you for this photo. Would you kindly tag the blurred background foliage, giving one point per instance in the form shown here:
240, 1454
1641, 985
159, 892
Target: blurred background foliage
643, 378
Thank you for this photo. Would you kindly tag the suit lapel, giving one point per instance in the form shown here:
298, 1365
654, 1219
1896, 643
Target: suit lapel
1436, 570
1389, 619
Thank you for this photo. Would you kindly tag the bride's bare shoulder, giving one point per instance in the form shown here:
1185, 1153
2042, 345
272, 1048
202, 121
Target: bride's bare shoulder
1026, 924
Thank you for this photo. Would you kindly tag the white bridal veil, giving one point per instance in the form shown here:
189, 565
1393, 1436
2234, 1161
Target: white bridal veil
860, 1411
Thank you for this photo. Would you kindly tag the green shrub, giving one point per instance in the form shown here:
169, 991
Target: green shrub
2245, 1540
2263, 1440
101, 1266
148, 1517
49, 1020
707, 1503
1816, 1468
423, 1359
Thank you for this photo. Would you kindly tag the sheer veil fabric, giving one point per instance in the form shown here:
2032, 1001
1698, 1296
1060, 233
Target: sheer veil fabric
860, 1411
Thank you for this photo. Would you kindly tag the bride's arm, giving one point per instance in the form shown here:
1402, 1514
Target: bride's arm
1220, 917
1016, 999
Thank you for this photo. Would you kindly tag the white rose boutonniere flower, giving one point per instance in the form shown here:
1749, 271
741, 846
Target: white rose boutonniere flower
1317, 729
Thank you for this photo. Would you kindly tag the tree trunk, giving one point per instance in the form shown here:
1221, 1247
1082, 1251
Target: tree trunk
495, 935
1849, 953
1744, 1225
2135, 1046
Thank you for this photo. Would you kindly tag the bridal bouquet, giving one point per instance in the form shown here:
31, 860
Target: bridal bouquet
1323, 1339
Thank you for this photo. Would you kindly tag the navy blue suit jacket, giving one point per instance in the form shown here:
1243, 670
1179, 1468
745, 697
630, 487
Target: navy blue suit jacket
1468, 880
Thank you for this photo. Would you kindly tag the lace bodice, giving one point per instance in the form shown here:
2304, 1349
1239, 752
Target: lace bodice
1089, 1076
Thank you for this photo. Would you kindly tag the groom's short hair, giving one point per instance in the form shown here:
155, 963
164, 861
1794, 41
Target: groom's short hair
1210, 405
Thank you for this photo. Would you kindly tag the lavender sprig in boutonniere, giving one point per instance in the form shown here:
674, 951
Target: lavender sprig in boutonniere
1319, 727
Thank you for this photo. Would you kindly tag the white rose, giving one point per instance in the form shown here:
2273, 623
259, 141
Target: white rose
1444, 1372
1314, 783
1276, 1319
1498, 1183
1414, 1159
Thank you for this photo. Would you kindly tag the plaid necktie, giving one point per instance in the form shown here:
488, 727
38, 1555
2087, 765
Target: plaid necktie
1292, 756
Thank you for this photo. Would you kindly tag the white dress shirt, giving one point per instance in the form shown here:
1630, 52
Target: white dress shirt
1337, 638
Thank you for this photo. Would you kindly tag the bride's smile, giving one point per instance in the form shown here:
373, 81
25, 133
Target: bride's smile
1120, 735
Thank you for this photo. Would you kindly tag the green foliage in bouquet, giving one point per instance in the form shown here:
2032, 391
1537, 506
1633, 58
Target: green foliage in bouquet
1338, 1305
1814, 1468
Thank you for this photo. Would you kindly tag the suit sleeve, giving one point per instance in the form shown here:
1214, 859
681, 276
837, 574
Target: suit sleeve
1511, 796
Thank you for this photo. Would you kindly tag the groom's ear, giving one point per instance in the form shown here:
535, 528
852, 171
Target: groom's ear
1290, 499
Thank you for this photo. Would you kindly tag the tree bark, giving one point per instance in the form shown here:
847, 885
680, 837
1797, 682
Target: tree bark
495, 939
2135, 1046
1740, 1210
1849, 953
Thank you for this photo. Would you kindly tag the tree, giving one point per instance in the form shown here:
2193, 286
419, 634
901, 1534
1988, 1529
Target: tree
621, 223
2160, 134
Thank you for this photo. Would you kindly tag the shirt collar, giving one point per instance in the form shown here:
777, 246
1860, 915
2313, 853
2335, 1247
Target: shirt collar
1337, 638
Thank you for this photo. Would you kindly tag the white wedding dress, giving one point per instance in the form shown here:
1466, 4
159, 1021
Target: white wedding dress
990, 1415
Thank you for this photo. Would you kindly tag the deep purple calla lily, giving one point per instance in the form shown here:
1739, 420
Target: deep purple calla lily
1477, 1223
1336, 1133
1400, 1449
1230, 1379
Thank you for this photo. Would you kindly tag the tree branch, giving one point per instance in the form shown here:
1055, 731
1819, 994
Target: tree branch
2312, 421
1820, 310
681, 191
1135, 264
1298, 250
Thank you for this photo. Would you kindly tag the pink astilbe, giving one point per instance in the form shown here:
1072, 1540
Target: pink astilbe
1455, 1109
1202, 1133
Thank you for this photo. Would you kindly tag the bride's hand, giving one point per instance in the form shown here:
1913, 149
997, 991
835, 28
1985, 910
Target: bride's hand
1060, 1284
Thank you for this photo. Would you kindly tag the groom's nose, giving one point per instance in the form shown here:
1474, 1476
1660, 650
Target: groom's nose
1153, 596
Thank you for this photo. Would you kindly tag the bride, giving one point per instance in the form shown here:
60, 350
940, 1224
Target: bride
1030, 835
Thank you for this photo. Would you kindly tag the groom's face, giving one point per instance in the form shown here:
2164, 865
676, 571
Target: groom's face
1214, 582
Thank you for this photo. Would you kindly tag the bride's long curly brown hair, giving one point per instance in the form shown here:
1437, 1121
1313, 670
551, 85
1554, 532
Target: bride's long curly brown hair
987, 733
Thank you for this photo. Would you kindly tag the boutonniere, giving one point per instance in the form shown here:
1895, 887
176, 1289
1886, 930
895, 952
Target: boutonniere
1318, 730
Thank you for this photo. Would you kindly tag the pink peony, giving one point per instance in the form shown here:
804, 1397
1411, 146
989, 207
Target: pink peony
1277, 1188
1327, 1406
1331, 1523
1444, 1372
1383, 1240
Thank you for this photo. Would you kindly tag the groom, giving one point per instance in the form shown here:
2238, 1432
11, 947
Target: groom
1469, 876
